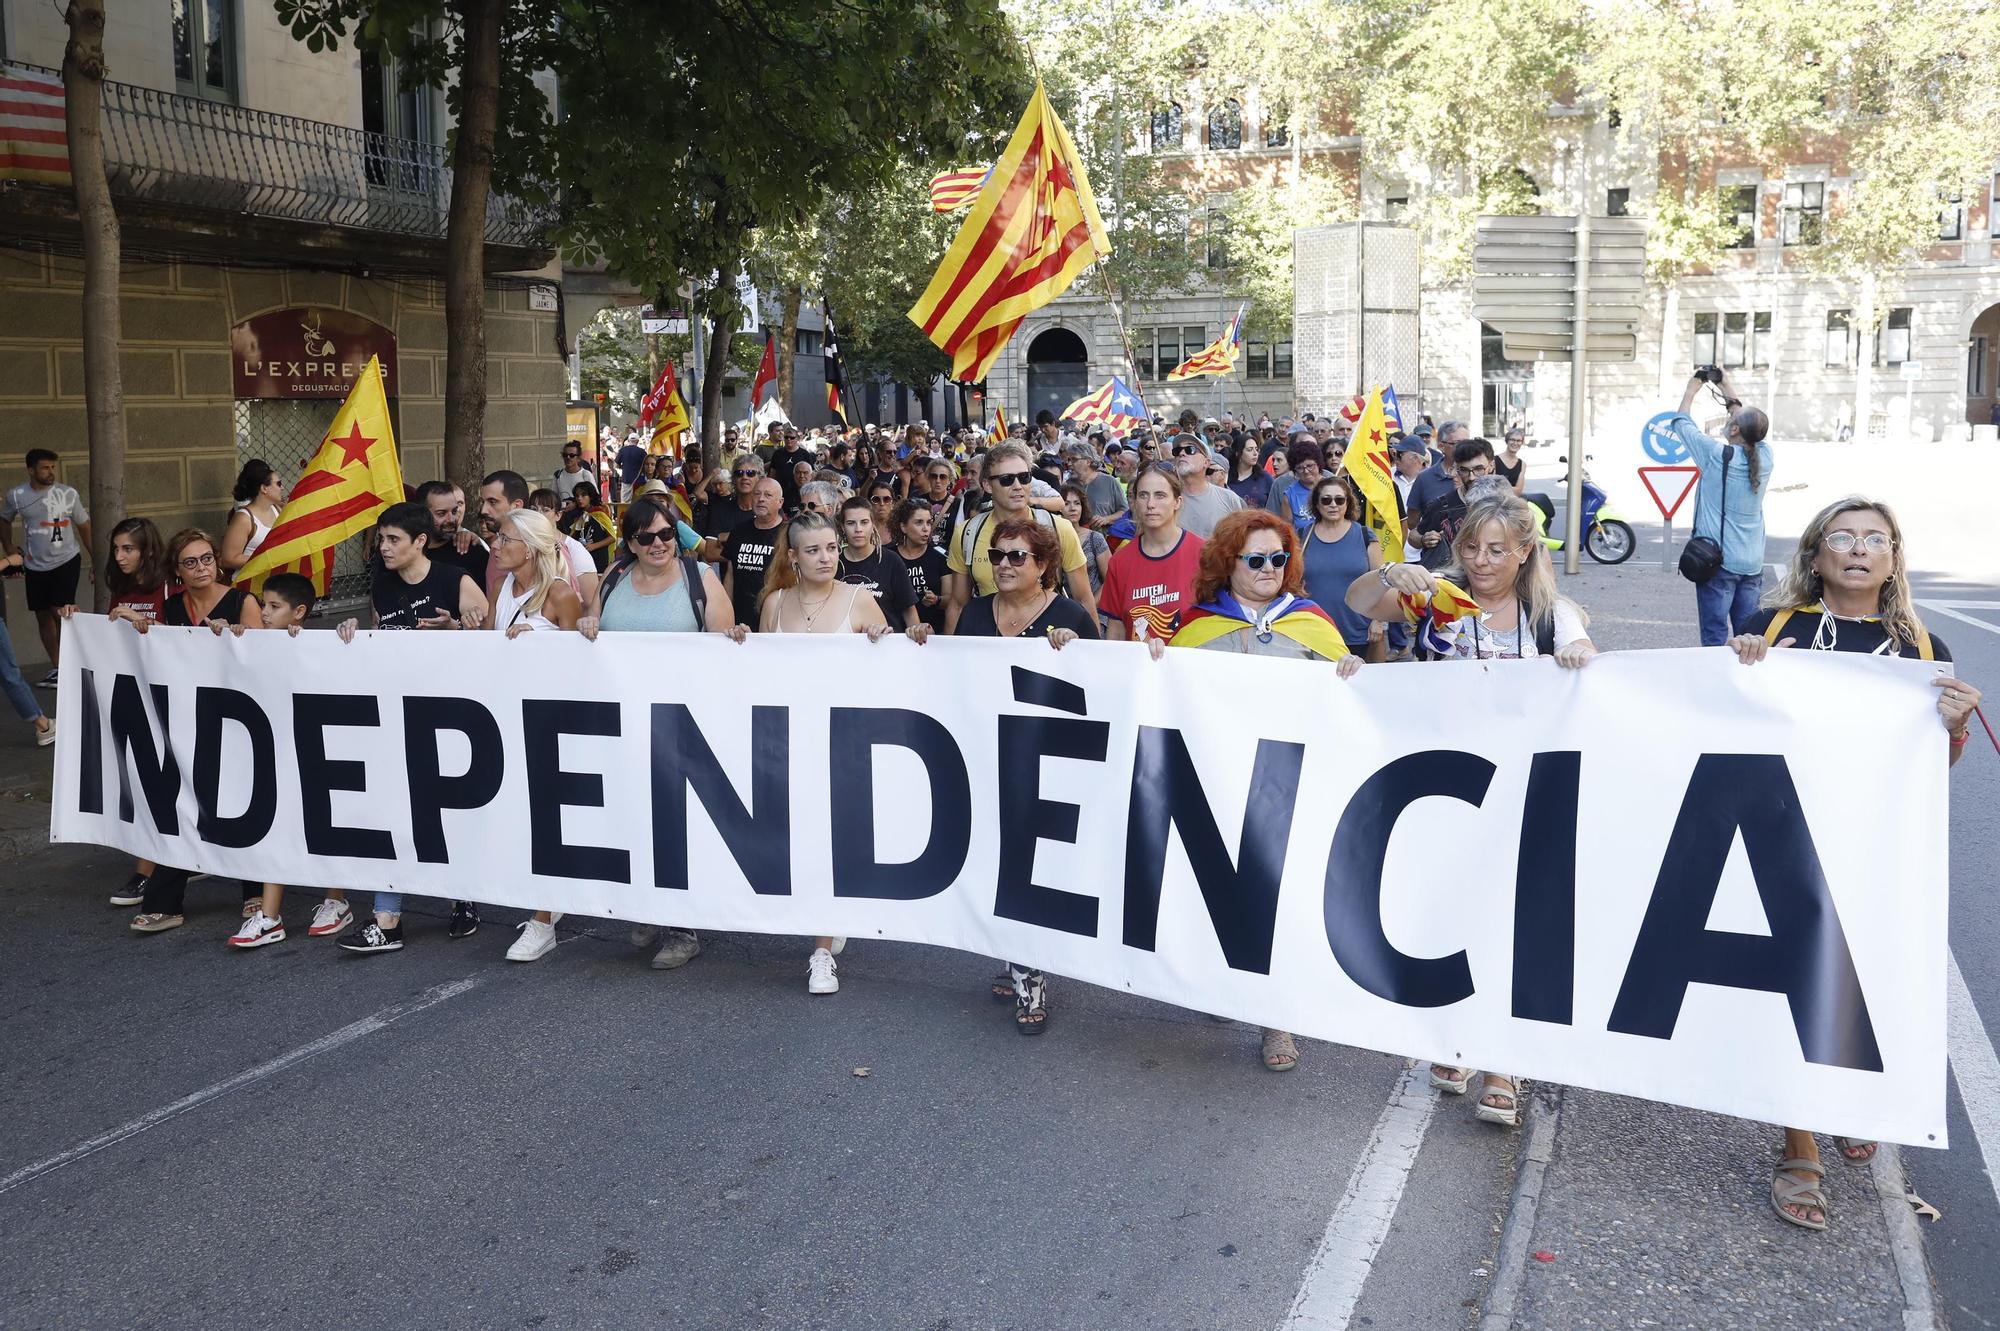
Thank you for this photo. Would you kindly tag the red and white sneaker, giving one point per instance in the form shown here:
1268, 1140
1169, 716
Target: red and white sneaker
258, 930
329, 918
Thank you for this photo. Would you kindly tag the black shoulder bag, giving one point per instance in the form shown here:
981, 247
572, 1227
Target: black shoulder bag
1701, 558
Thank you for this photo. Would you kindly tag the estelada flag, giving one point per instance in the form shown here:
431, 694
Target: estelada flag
999, 431
666, 411
953, 190
1032, 229
1218, 357
1113, 405
350, 480
1374, 474
767, 372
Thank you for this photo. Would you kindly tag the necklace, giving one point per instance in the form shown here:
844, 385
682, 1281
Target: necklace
811, 615
1041, 602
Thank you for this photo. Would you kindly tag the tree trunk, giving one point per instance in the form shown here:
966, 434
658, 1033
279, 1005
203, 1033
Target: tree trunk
788, 341
465, 244
721, 331
103, 385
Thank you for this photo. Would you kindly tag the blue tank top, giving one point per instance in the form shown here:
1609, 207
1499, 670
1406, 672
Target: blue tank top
669, 611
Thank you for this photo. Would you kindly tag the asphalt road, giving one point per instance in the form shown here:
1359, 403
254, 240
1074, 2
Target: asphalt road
438, 1138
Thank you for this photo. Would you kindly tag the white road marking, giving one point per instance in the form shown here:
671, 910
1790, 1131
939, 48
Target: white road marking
1339, 1267
1965, 605
1978, 1071
1946, 608
366, 1026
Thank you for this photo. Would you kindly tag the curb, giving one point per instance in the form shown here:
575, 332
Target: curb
1906, 1242
1517, 1235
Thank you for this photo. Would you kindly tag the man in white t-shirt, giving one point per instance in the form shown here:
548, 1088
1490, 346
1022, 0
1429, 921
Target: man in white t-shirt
55, 535
574, 472
1203, 503
504, 490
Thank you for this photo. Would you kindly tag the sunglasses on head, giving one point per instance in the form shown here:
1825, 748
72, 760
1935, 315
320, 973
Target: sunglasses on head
1278, 560
1018, 558
653, 537
1012, 478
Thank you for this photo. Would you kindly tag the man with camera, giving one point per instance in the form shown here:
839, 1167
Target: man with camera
1725, 556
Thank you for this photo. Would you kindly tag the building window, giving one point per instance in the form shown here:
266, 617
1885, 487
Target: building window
1951, 221
1892, 344
1167, 127
1169, 354
1276, 136
1733, 339
808, 342
1257, 360
1281, 359
1192, 340
1975, 368
1618, 202
204, 48
1840, 339
1216, 233
1395, 206
1805, 208
1739, 203
1225, 125
1142, 352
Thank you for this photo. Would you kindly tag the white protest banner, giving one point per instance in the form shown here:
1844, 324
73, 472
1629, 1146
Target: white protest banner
1666, 874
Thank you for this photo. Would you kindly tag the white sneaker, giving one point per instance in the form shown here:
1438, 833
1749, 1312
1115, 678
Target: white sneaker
44, 738
839, 946
537, 940
329, 917
822, 975
258, 930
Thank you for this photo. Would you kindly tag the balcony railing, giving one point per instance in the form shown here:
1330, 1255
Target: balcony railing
187, 152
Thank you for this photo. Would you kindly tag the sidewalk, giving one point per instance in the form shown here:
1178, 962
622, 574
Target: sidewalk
26, 772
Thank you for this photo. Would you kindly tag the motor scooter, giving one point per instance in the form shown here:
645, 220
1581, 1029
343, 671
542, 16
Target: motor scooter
1607, 537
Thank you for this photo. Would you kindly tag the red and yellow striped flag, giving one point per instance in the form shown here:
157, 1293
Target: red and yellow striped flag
350, 480
953, 190
34, 135
1218, 357
998, 434
1374, 474
1032, 229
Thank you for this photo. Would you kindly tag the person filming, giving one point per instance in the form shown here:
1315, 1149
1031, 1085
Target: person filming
1728, 508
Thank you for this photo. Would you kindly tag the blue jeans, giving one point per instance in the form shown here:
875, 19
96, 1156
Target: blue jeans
388, 903
12, 684
1725, 603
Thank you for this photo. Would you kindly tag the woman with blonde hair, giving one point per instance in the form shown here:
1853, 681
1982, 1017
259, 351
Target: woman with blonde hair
1498, 601
1847, 590
535, 590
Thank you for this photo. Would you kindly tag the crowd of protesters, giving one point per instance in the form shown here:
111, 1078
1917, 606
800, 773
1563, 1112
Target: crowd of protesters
1215, 535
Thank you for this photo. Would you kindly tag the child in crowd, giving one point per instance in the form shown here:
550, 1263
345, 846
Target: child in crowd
288, 600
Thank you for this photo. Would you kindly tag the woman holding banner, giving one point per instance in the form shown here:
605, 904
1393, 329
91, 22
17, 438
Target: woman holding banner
654, 588
1510, 610
1249, 599
1847, 590
1027, 558
801, 595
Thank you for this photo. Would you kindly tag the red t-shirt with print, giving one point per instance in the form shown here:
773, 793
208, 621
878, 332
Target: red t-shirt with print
1159, 592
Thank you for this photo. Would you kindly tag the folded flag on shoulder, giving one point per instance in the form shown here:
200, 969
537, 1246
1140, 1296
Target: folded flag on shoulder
1294, 617
350, 480
1218, 357
1032, 229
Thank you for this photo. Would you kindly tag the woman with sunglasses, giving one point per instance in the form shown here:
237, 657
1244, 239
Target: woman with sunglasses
1249, 600
1497, 601
1338, 548
1149, 583
1025, 604
1847, 590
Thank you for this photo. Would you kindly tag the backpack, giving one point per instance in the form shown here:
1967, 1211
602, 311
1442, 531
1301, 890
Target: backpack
690, 574
1779, 620
969, 533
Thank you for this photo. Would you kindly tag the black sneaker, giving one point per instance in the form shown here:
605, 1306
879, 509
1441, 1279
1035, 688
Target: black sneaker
464, 920
133, 893
373, 938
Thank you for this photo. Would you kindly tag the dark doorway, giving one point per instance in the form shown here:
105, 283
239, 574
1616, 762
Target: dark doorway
1058, 372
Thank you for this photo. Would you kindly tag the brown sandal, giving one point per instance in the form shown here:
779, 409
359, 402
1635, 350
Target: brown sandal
154, 922
1281, 1052
1802, 1193
1855, 1152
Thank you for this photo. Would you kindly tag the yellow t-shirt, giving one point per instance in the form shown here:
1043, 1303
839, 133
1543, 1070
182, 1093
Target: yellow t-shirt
1071, 557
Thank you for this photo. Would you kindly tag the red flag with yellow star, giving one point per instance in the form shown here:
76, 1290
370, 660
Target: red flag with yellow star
350, 480
1374, 474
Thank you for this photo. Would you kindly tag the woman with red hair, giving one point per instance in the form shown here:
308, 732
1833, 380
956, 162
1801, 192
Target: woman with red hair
1249, 599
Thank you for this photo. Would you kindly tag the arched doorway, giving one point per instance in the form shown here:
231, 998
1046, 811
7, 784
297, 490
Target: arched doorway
1058, 371
1982, 368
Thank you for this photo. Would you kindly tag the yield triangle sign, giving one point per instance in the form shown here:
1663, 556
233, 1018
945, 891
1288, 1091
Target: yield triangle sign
1672, 488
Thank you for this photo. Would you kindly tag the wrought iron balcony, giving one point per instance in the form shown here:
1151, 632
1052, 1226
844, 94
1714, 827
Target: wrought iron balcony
182, 151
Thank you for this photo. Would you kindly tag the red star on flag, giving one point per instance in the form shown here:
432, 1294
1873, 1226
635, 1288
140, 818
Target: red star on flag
354, 448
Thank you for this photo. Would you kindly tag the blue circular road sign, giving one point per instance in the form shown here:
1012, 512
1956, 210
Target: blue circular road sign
1662, 445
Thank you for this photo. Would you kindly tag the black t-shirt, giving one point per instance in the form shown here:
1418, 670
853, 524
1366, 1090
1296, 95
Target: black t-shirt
782, 463
884, 574
1443, 515
400, 604
229, 609
473, 561
976, 620
725, 517
1848, 635
747, 554
927, 574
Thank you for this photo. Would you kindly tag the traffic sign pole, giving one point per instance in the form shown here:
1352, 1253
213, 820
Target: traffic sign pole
1578, 376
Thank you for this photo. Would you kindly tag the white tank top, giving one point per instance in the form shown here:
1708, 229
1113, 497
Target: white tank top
508, 609
258, 530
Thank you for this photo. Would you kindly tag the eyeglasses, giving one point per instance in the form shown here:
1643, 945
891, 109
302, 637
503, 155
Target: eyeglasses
1493, 554
1017, 558
199, 561
571, 453
1341, 500
1841, 542
653, 537
1012, 478
1278, 560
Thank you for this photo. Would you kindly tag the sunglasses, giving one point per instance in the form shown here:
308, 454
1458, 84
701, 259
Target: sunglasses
654, 537
1324, 500
1017, 558
1012, 478
1185, 449
747, 475
1278, 560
